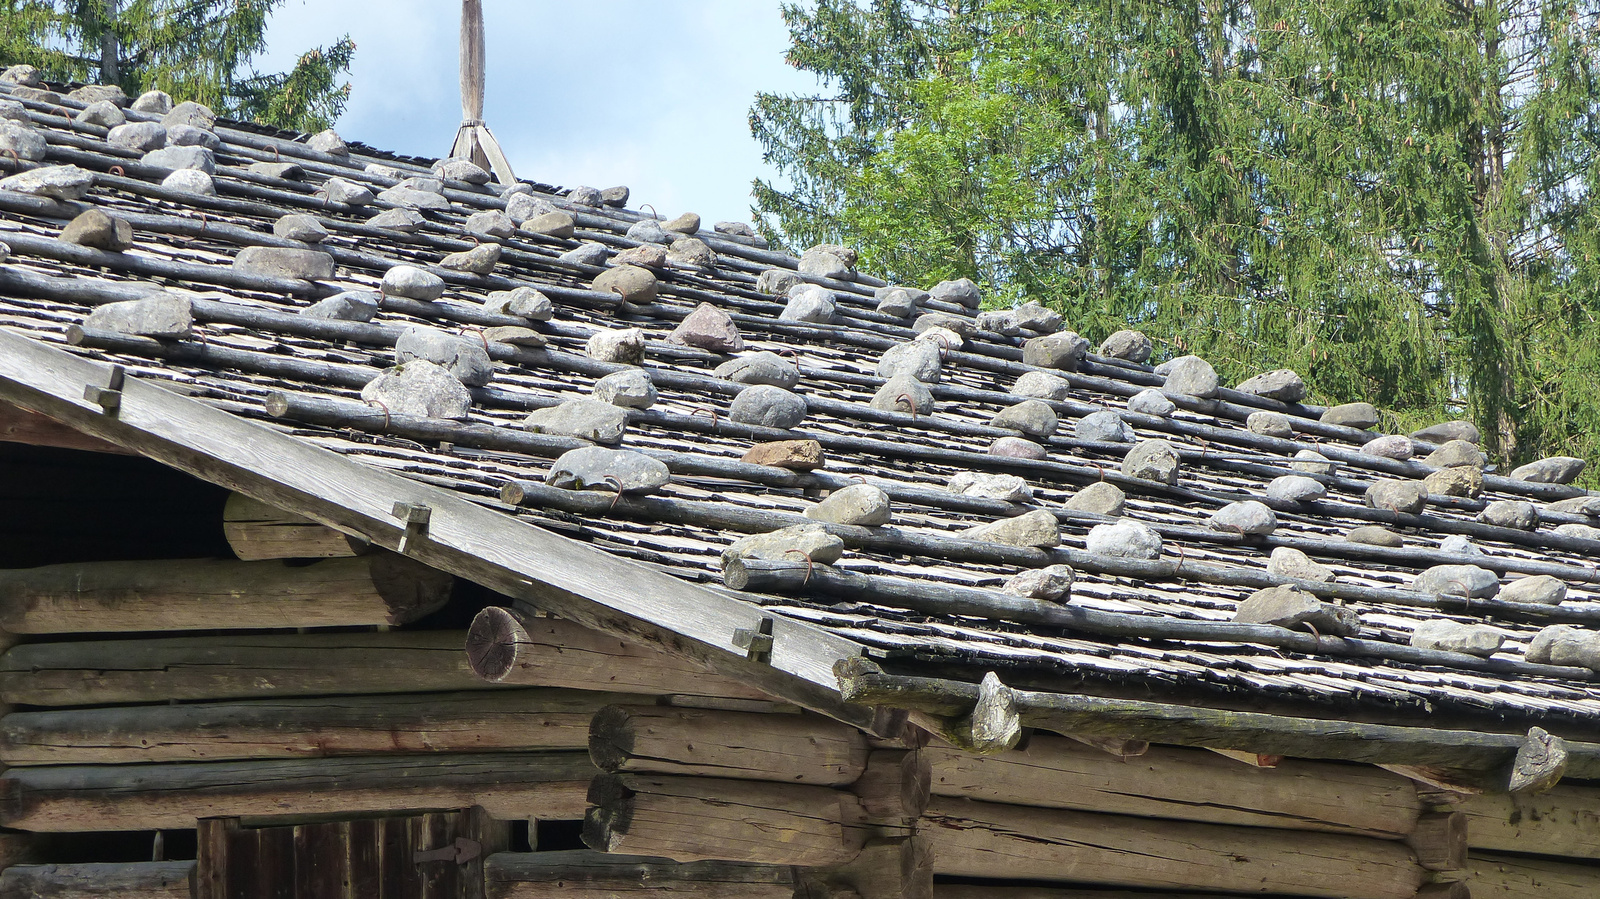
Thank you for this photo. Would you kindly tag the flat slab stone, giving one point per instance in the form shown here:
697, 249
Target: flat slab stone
1564, 644
1292, 563
350, 306
760, 368
1101, 498
604, 468
59, 182
100, 230
631, 389
1288, 607
465, 358
635, 285
708, 328
794, 455
791, 544
1294, 488
1037, 529
903, 394
1041, 385
413, 283
919, 359
523, 302
1152, 460
858, 504
767, 406
1053, 583
1244, 517
1006, 487
1449, 430
1132, 346
1555, 470
1457, 580
583, 418
164, 316
1282, 385
420, 389
1124, 539
1034, 418
1451, 636
1538, 589
1372, 535
1351, 415
624, 346
283, 262
1189, 376
1064, 351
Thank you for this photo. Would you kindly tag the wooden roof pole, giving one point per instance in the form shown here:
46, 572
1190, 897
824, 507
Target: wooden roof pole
474, 141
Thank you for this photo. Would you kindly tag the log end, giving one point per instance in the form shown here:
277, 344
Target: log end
492, 643
611, 738
409, 588
512, 493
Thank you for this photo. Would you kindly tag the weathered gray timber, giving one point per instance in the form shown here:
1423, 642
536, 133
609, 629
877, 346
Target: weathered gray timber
124, 880
257, 531
782, 748
584, 874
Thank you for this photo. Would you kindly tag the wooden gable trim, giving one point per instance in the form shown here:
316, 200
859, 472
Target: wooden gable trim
19, 425
556, 574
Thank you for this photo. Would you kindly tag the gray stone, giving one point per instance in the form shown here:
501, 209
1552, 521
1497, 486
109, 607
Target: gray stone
190, 136
171, 159
523, 207
1292, 563
5, 251
630, 389
416, 199
491, 223
1036, 529
1053, 583
1033, 317
1014, 447
809, 303
1454, 482
1555, 470
153, 102
1280, 384
710, 329
1351, 415
301, 227
344, 192
1124, 539
624, 346
905, 395
760, 368
412, 283
1034, 418
103, 113
1104, 427
615, 196
14, 111
1449, 430
420, 389
1577, 505
646, 255
60, 182
857, 504
1460, 545
584, 195
734, 229
1152, 460
792, 544
1390, 446
1577, 531
1540, 589
636, 286
1007, 487
480, 260
1372, 535
22, 76
588, 253
691, 253
960, 291
1099, 498
582, 418
191, 181
821, 262
768, 407
944, 338
284, 171
190, 113
100, 230
465, 358
1132, 346
515, 335
1189, 376
1151, 402
507, 191
899, 302
650, 231
1002, 321
523, 302
1408, 497
1288, 607
465, 171
1313, 462
1457, 580
612, 470
1456, 454
139, 136
91, 94
1510, 513
1042, 385
350, 306
1563, 644
25, 142
959, 324
1244, 517
328, 142
37, 95
1270, 424
1064, 351
916, 359
164, 316
284, 262
794, 455
778, 282
1295, 488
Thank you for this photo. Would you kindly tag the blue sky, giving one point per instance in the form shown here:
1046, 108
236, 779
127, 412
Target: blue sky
649, 94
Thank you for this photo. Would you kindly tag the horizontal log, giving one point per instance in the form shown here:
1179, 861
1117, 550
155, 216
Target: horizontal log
974, 891
21, 426
1183, 784
510, 786
514, 646
785, 748
981, 839
701, 818
257, 531
104, 672
126, 880
585, 874
213, 594
1564, 821
1509, 877
522, 720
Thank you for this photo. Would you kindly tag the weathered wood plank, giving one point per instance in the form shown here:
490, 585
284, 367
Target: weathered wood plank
981, 839
1564, 821
128, 880
211, 594
22, 426
971, 891
171, 797
784, 748
596, 875
257, 531
1506, 877
314, 727
1183, 784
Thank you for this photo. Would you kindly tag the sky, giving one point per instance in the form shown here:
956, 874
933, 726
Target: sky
653, 95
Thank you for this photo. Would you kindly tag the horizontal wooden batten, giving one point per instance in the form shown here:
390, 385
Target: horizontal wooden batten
1183, 784
21, 426
258, 531
210, 594
313, 727
785, 748
101, 672
516, 646
1511, 877
510, 786
584, 874
984, 891
988, 840
127, 880
1564, 821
